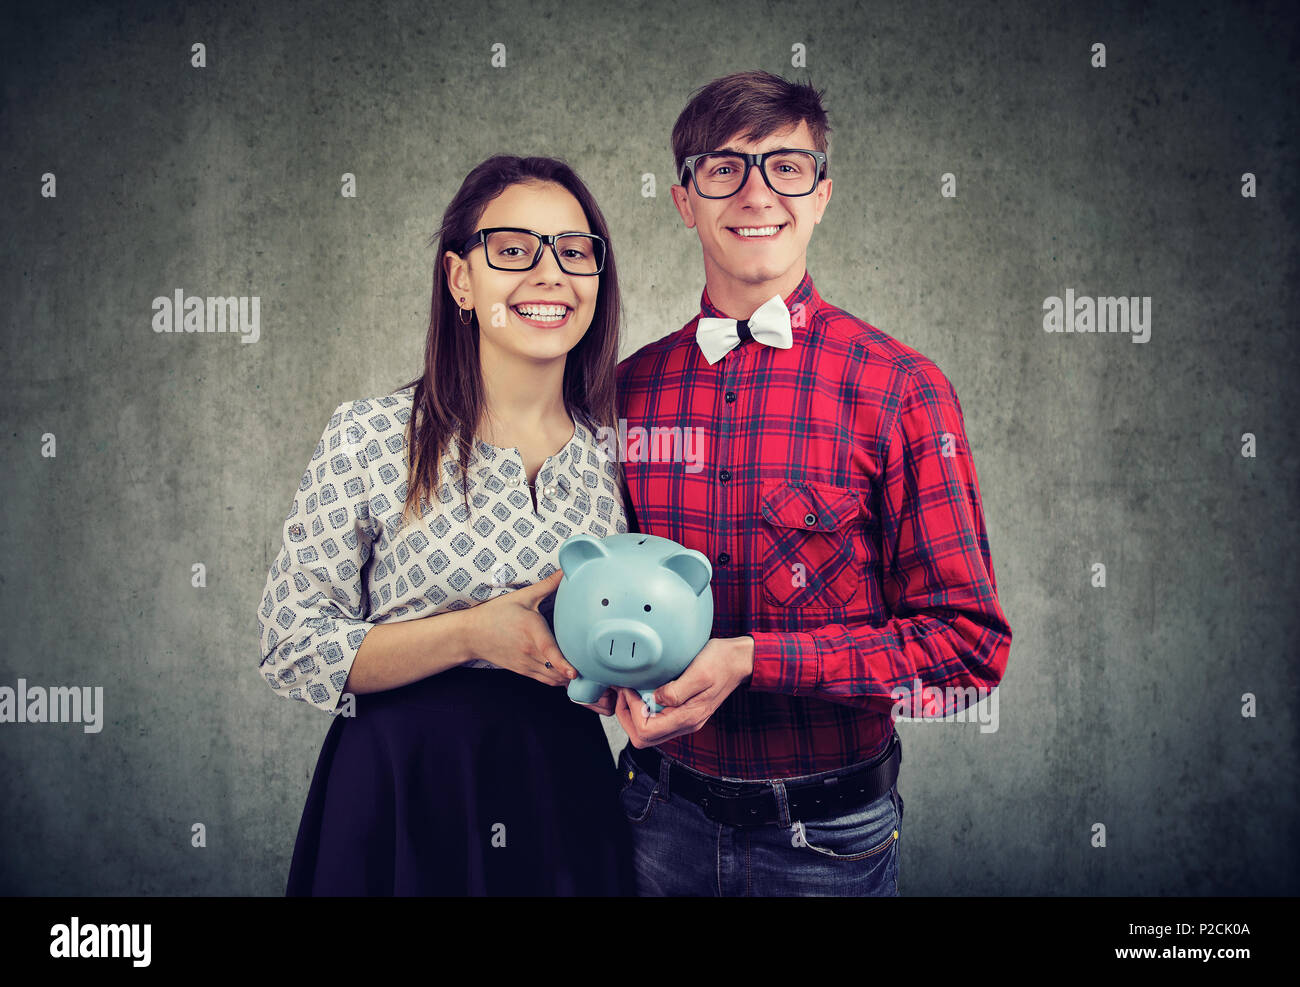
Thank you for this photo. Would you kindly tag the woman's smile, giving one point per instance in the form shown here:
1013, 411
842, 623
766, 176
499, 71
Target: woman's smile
543, 315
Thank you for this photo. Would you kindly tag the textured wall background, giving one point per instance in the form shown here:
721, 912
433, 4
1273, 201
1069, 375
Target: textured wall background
1121, 705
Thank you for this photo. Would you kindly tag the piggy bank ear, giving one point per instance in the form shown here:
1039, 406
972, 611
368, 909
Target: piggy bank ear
691, 566
577, 551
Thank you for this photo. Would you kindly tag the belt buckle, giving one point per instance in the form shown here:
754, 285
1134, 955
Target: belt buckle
723, 789
719, 790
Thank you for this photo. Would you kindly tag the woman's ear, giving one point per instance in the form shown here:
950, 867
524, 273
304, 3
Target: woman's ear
458, 278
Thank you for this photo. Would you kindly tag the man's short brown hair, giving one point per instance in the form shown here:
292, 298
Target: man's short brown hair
753, 105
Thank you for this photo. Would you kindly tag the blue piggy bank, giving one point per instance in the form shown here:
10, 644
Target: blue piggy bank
632, 610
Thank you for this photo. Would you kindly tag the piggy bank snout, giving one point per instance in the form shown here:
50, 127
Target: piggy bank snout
625, 645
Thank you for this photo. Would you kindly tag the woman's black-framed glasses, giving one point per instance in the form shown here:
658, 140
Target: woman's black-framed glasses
512, 248
787, 171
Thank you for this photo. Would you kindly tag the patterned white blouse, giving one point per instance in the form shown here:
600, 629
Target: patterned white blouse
345, 566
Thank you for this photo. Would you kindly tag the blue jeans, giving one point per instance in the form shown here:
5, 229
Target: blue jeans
682, 852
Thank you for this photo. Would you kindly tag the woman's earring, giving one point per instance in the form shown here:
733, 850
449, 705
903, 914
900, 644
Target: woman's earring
460, 311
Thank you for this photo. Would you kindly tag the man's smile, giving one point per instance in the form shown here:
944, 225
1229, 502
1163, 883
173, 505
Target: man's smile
757, 232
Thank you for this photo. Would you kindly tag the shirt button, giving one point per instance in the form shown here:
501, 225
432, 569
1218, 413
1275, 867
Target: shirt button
514, 481
724, 558
810, 519
724, 475
731, 397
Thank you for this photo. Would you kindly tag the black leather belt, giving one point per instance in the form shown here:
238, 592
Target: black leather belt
753, 803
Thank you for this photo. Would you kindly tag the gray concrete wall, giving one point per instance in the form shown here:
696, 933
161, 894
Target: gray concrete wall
1122, 705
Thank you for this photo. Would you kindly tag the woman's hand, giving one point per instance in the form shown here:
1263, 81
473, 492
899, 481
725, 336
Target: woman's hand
510, 633
606, 704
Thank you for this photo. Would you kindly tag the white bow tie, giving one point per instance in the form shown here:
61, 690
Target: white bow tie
770, 324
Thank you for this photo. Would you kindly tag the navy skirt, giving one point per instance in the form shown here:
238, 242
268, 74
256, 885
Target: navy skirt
469, 782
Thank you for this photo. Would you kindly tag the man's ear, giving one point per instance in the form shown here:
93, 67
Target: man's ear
823, 196
682, 200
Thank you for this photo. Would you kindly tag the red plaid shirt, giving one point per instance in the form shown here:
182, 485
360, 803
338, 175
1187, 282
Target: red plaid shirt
839, 506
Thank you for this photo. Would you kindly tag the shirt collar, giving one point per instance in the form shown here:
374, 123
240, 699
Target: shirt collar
805, 294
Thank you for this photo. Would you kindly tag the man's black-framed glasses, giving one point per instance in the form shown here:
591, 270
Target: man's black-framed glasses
787, 171
511, 248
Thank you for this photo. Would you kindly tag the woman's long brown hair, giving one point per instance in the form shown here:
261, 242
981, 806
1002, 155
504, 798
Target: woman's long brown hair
449, 397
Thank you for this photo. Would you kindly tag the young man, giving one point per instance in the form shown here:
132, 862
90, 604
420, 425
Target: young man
840, 509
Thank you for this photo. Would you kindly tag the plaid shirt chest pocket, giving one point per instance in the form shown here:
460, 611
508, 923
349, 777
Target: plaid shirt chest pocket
808, 541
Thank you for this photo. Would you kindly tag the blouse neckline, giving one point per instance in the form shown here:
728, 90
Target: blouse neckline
485, 457
562, 452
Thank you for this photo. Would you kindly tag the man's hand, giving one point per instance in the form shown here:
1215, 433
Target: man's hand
722, 665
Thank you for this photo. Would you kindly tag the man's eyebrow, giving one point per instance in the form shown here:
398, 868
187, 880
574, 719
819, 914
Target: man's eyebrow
732, 150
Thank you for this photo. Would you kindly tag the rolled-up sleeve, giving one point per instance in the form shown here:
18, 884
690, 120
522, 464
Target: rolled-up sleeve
313, 611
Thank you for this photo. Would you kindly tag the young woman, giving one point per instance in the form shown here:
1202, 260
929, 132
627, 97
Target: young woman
421, 542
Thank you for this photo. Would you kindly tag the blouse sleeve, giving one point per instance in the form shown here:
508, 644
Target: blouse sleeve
314, 608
